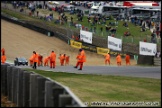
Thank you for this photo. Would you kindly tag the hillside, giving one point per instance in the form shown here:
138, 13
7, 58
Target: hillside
20, 41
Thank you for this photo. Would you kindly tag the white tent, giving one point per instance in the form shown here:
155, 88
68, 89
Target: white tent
54, 2
94, 7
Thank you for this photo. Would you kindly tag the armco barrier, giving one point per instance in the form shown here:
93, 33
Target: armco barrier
28, 89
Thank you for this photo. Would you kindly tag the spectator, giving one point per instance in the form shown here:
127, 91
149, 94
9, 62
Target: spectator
153, 37
106, 27
94, 28
101, 29
158, 55
113, 30
51, 15
56, 9
81, 18
21, 10
127, 33
145, 40
125, 24
71, 19
143, 29
135, 20
79, 36
113, 35
88, 19
37, 13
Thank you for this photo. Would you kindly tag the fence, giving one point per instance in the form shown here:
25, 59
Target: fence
28, 89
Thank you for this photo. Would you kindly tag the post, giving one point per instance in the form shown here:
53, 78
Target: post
20, 88
9, 82
14, 85
65, 99
4, 79
48, 94
33, 90
56, 92
41, 92
26, 88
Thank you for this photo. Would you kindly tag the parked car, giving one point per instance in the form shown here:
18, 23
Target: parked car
20, 61
52, 5
68, 8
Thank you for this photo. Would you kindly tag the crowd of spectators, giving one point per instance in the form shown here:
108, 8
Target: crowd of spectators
110, 27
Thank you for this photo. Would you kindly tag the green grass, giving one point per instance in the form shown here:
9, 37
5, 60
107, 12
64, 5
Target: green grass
108, 88
136, 33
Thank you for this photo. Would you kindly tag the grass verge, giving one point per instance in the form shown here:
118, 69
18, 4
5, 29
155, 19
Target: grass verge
108, 88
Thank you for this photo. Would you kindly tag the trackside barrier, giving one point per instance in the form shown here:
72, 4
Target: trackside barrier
29, 89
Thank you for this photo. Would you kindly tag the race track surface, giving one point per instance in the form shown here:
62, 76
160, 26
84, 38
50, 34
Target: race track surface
132, 71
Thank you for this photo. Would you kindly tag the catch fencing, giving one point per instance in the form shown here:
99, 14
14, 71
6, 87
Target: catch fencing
29, 89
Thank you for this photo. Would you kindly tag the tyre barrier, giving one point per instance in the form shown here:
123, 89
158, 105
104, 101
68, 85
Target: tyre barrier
157, 61
29, 89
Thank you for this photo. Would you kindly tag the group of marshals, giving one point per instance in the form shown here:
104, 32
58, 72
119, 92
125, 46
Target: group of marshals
37, 59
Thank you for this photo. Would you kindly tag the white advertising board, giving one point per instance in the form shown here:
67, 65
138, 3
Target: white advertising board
114, 43
146, 48
86, 36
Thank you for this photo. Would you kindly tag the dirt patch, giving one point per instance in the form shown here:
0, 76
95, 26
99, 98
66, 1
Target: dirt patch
6, 103
19, 41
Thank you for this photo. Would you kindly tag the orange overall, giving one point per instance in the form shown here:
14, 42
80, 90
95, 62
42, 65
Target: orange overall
118, 60
107, 59
3, 58
67, 60
40, 60
52, 60
31, 60
81, 59
35, 58
46, 61
127, 59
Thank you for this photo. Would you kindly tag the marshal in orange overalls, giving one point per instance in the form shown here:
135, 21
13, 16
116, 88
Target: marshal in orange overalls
67, 60
127, 59
107, 59
3, 58
46, 61
52, 60
118, 60
81, 59
35, 59
31, 60
61, 57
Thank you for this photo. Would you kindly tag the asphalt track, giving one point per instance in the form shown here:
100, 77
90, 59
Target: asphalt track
132, 71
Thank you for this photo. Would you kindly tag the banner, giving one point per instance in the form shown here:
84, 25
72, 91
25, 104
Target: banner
86, 36
102, 51
114, 43
115, 53
146, 48
75, 44
89, 47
